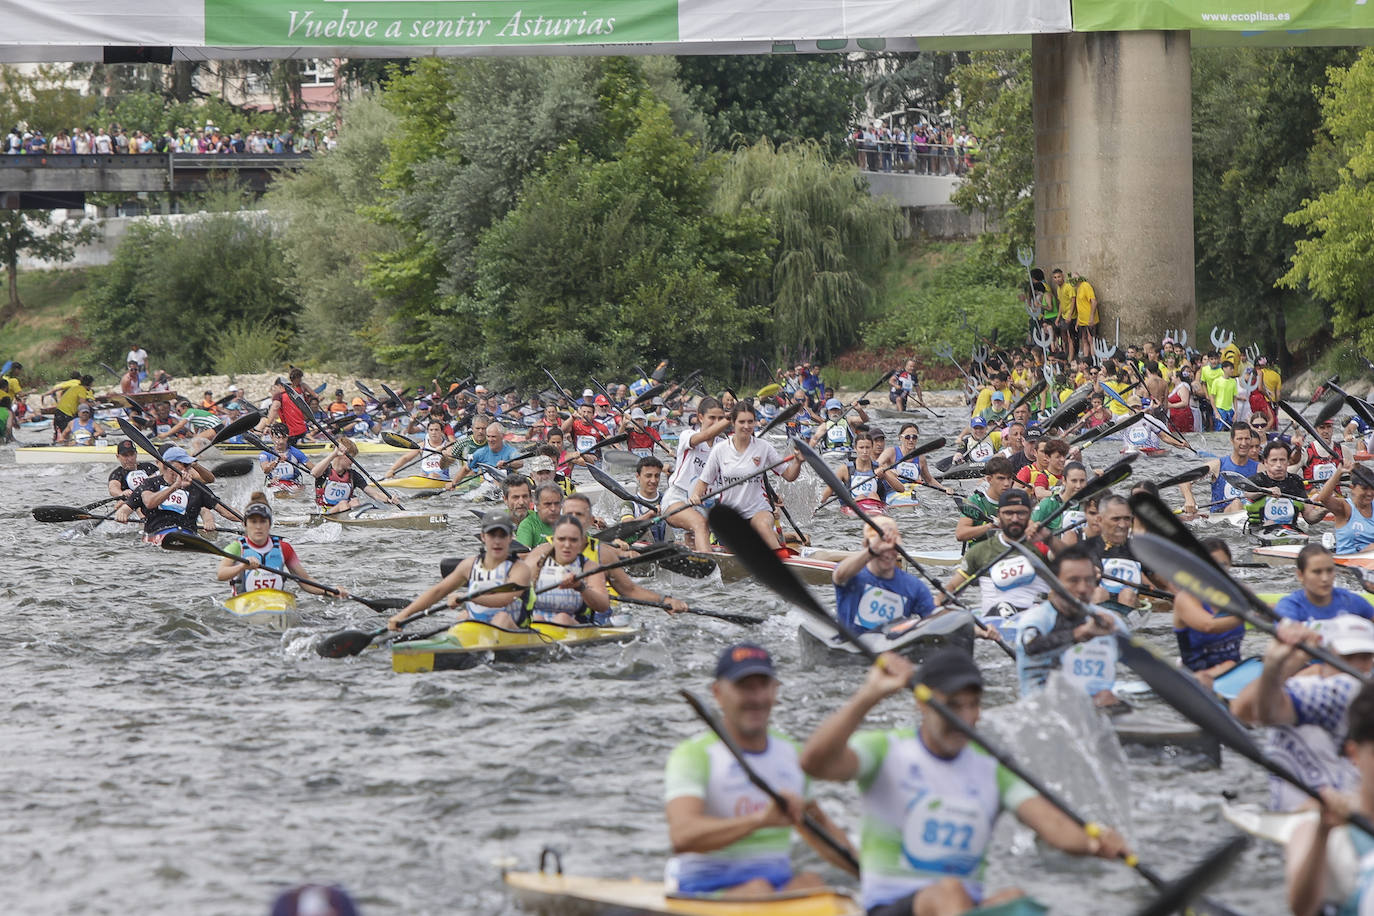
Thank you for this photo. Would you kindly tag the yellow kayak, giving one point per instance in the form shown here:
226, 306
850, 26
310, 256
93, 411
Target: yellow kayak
311, 449
267, 607
549, 893
468, 642
414, 482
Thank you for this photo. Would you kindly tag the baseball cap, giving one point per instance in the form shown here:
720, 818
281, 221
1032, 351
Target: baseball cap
978, 422
587, 392
1348, 634
234, 388
539, 463
84, 408
314, 900
998, 396
126, 448
638, 414
834, 404
949, 671
258, 508
601, 401
358, 402
497, 520
743, 659
1012, 496
176, 453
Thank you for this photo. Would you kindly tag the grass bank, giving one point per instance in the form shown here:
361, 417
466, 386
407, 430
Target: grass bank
46, 334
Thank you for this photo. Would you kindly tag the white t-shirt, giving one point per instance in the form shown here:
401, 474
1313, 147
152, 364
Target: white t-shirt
690, 460
725, 465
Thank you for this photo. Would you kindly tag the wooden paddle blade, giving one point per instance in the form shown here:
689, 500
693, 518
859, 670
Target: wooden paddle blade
396, 440
184, 540
735, 532
783, 416
60, 514
1179, 894
234, 467
346, 643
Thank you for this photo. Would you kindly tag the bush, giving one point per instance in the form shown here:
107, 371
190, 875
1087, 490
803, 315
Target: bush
246, 347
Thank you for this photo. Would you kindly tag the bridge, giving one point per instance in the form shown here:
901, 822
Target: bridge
55, 180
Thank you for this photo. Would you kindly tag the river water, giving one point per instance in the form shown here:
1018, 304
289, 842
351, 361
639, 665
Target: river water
160, 757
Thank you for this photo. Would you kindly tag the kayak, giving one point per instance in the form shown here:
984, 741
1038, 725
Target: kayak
267, 607
1155, 731
384, 517
1280, 537
544, 893
469, 642
419, 482
1229, 684
65, 454
285, 489
897, 502
1286, 554
916, 638
934, 556
311, 449
810, 569
1274, 826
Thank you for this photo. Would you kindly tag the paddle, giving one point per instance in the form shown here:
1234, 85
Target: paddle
309, 415
787, 413
1069, 411
397, 440
1026, 395
66, 514
882, 380
650, 394
1175, 897
1360, 407
257, 441
242, 424
109, 370
735, 532
613, 485
767, 391
351, 642
808, 822
233, 467
1197, 705
837, 487
1106, 430
1241, 482
1211, 585
181, 540
965, 472
1183, 477
1329, 410
742, 619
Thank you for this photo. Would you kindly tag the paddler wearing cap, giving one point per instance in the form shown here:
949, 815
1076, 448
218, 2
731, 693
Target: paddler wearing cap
728, 837
358, 422
1305, 703
1010, 585
257, 548
337, 480
494, 564
838, 431
1352, 515
931, 797
84, 430
584, 429
126, 478
173, 499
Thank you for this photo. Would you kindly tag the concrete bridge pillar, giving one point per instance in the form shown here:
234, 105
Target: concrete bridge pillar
1114, 173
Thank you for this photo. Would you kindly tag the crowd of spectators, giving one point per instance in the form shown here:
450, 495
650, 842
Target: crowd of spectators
923, 149
209, 139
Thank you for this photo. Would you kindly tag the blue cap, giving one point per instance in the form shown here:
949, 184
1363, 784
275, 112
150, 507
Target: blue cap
743, 659
978, 421
834, 404
176, 453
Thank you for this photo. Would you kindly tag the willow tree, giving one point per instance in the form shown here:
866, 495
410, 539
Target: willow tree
833, 239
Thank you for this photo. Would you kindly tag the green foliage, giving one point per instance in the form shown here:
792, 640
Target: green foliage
46, 97
1254, 126
949, 293
994, 100
604, 264
178, 287
35, 234
248, 346
901, 80
1336, 261
154, 112
328, 239
832, 237
781, 98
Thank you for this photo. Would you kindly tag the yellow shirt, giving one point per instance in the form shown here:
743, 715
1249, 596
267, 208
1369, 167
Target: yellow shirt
1067, 297
1085, 302
1273, 382
73, 393
1115, 406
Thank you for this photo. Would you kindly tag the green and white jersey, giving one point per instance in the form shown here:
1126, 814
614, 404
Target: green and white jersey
926, 818
702, 767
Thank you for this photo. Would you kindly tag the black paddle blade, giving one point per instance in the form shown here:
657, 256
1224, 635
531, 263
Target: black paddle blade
60, 514
234, 467
1189, 476
1067, 412
649, 394
396, 440
346, 643
1195, 575
609, 441
735, 532
926, 447
447, 565
1329, 410
1160, 520
783, 416
382, 604
135, 435
611, 484
183, 540
241, 425
963, 472
1178, 894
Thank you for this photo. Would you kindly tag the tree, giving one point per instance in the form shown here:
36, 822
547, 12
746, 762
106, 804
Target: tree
48, 97
35, 234
782, 98
1336, 260
832, 239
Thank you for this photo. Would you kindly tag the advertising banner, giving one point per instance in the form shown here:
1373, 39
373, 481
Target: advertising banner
1222, 15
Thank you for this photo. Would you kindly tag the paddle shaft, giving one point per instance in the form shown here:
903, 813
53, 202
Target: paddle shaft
309, 415
885, 376
146, 444
743, 619
204, 546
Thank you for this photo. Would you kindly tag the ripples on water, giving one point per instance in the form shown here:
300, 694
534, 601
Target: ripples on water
160, 757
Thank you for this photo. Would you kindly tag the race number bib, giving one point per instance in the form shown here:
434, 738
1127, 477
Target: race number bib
431, 466
838, 433
944, 837
1279, 510
584, 443
906, 383
1072, 518
1120, 568
1139, 435
255, 579
1091, 665
283, 471
336, 491
135, 479
164, 428
864, 487
908, 470
1229, 492
1323, 472
981, 452
1013, 572
877, 607
178, 502
82, 436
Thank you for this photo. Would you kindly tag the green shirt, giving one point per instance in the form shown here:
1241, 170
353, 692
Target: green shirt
1224, 395
979, 509
532, 531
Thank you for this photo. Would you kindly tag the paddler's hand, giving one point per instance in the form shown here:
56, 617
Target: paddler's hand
340, 593
1108, 844
250, 562
774, 816
1096, 625
675, 605
394, 622
1336, 809
890, 675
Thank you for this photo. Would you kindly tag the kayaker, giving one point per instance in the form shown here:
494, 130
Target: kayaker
908, 469
337, 481
84, 430
866, 482
1276, 509
430, 455
643, 437
584, 430
1044, 474
837, 431
1226, 498
1307, 710
1352, 515
358, 422
870, 590
279, 466
1318, 464
1208, 642
535, 527
1010, 585
494, 564
1053, 636
735, 458
517, 495
692, 452
580, 507
261, 551
497, 453
554, 563
464, 447
728, 837
978, 514
1318, 598
1111, 548
930, 797
1329, 865
648, 473
175, 499
69, 395
127, 478
1065, 529
283, 409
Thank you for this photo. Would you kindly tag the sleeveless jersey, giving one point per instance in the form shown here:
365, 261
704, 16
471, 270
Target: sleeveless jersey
1357, 533
270, 554
557, 600
479, 578
1223, 492
1199, 651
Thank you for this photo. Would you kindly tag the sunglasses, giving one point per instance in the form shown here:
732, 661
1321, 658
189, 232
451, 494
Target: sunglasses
910, 438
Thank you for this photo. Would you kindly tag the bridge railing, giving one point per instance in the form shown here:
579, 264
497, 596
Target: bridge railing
915, 158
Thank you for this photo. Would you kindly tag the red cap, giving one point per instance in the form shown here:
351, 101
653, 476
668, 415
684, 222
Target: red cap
601, 401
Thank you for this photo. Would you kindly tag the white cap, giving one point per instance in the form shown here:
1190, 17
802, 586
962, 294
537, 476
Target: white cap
638, 414
233, 387
539, 463
1347, 634
587, 393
